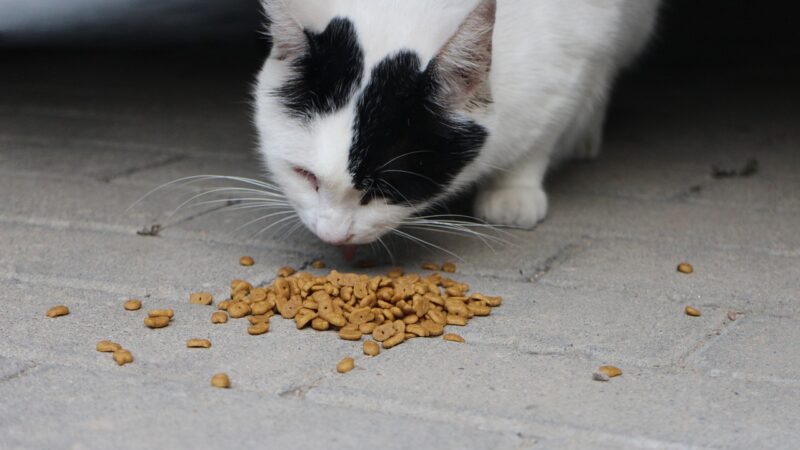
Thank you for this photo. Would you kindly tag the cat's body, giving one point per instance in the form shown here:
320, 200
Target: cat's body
437, 96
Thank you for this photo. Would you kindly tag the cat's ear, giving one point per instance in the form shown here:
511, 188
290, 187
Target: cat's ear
288, 37
461, 68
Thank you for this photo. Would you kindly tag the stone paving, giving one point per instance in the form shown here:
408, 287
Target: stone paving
83, 137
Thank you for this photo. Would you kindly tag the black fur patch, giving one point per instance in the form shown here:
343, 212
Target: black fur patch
406, 148
328, 74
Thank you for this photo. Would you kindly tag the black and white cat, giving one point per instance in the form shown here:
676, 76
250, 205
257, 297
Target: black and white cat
370, 111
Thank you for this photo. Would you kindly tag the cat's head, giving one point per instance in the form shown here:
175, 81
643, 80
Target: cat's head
367, 116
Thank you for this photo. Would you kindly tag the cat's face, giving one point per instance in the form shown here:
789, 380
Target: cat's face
357, 150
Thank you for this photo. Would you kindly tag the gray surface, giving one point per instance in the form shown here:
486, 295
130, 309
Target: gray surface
595, 284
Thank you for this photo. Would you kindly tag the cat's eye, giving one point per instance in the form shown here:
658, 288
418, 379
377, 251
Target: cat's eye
310, 177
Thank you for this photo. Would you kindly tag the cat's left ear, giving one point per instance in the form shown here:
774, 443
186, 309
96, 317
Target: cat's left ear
461, 68
288, 37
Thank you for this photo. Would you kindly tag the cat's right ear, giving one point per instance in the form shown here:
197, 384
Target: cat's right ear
288, 37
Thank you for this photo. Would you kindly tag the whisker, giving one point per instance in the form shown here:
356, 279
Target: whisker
264, 217
426, 243
403, 156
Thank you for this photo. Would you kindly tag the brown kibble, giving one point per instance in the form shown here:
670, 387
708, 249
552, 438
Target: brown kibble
132, 305
691, 311
168, 313
220, 380
318, 264
108, 347
371, 348
57, 311
685, 268
345, 365
198, 343
247, 261
610, 371
286, 271
384, 332
156, 322
449, 267
395, 272
223, 306
254, 320
394, 341
452, 337
350, 334
238, 310
219, 317
259, 308
258, 329
456, 320
122, 357
431, 266
200, 298
320, 324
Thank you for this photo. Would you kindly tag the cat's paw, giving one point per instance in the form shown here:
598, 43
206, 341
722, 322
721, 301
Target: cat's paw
517, 207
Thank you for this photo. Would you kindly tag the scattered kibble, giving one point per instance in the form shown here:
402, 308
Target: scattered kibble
610, 371
108, 347
201, 298
371, 348
247, 261
345, 365
220, 380
198, 343
685, 268
161, 313
453, 337
286, 271
132, 305
692, 311
258, 329
219, 317
449, 267
318, 264
156, 322
122, 357
431, 266
57, 311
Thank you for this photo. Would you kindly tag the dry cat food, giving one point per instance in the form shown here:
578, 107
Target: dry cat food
685, 268
390, 309
132, 305
609, 371
108, 347
219, 317
449, 267
157, 320
201, 298
123, 357
247, 261
198, 343
57, 311
220, 380
692, 311
319, 264
345, 365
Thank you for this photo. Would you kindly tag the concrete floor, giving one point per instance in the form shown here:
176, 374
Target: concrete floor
83, 136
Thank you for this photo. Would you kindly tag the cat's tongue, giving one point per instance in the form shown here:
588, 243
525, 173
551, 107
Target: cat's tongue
349, 252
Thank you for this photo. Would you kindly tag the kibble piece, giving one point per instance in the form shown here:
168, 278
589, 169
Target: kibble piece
395, 272
384, 332
320, 324
685, 268
220, 380
395, 340
449, 267
371, 348
57, 311
254, 320
132, 305
345, 365
200, 298
286, 271
258, 329
198, 343
460, 321
430, 266
123, 357
223, 306
108, 347
259, 308
168, 313
350, 334
238, 310
452, 337
156, 322
691, 311
219, 317
247, 261
318, 264
610, 371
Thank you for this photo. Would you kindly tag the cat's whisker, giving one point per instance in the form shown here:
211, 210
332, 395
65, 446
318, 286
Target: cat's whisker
238, 201
431, 180
268, 227
403, 156
485, 238
264, 217
465, 227
389, 252
425, 243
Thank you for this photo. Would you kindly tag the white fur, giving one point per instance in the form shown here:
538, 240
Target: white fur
553, 65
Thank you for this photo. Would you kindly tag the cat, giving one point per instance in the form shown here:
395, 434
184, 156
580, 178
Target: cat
371, 111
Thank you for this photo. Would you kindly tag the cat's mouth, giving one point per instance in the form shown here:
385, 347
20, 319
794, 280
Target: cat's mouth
349, 252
